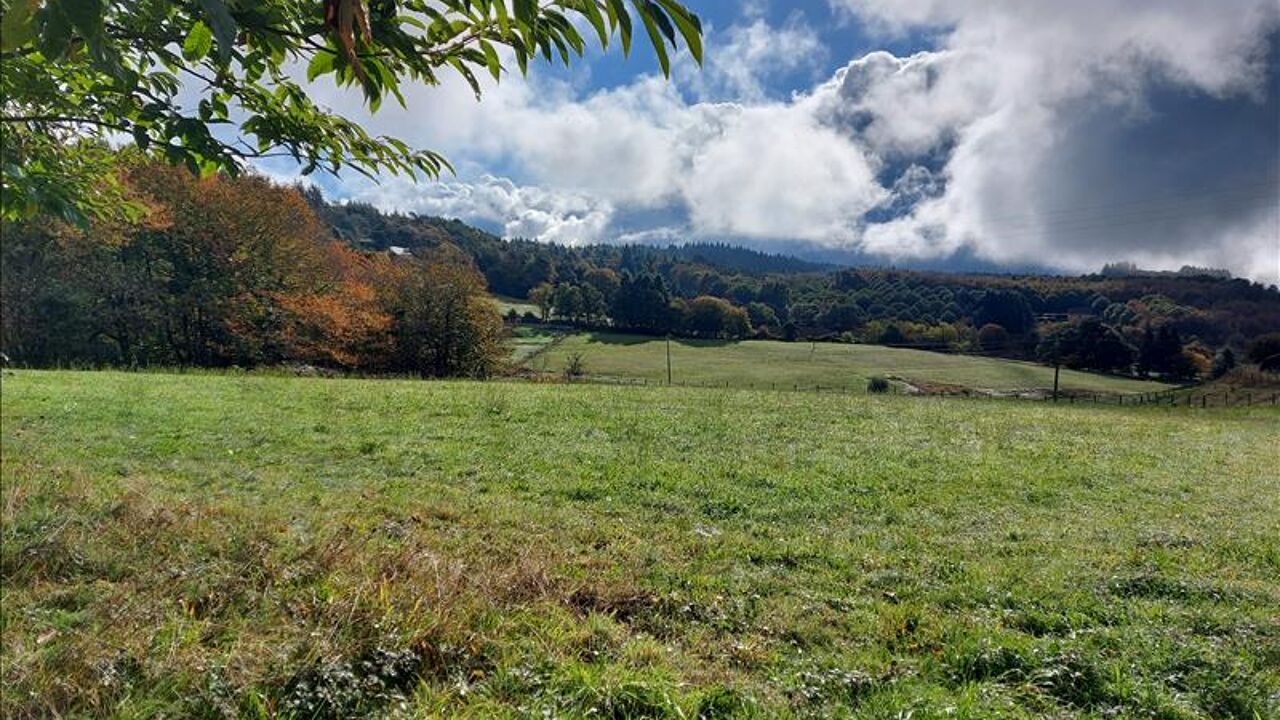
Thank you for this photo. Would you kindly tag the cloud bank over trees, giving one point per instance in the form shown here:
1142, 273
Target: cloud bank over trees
1058, 134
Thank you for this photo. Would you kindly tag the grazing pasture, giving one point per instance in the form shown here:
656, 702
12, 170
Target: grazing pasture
225, 545
762, 364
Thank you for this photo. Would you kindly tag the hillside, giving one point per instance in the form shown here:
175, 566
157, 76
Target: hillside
1172, 325
765, 364
340, 548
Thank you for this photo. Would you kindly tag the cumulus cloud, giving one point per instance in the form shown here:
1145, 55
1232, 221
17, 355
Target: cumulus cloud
733, 186
1033, 132
641, 145
521, 211
1080, 132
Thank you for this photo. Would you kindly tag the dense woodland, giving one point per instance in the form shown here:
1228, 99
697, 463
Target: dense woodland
222, 272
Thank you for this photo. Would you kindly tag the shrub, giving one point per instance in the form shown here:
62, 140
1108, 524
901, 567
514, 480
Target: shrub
574, 367
993, 337
878, 385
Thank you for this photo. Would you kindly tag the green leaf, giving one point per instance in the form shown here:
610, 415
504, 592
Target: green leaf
689, 24
321, 64
466, 73
199, 42
491, 60
18, 27
140, 137
618, 12
504, 22
85, 16
223, 25
526, 11
656, 38
590, 9
55, 33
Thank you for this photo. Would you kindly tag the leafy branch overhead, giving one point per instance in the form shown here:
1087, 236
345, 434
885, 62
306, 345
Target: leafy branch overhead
212, 84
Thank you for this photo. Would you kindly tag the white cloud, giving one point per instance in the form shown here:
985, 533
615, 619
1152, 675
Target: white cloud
734, 166
1044, 103
740, 62
776, 172
999, 141
521, 211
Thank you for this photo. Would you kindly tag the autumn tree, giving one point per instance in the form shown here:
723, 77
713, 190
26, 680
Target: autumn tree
227, 254
341, 322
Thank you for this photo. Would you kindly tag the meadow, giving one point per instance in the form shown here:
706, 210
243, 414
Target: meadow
223, 545
766, 364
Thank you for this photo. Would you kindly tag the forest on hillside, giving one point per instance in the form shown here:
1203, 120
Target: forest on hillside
1178, 325
222, 271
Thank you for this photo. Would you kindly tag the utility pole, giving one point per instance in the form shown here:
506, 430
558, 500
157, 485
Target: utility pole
668, 359
1057, 366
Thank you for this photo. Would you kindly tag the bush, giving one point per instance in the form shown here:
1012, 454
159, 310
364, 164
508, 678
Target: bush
993, 338
574, 367
878, 385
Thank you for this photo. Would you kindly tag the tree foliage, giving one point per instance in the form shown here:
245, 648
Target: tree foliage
444, 323
235, 271
1088, 345
1265, 351
212, 84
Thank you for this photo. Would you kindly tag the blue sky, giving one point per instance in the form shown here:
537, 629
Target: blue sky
840, 35
988, 134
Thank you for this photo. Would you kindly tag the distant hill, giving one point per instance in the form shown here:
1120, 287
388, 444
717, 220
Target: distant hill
734, 258
366, 227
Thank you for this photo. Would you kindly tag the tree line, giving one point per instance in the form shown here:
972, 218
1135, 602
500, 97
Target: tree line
223, 271
1173, 325
228, 271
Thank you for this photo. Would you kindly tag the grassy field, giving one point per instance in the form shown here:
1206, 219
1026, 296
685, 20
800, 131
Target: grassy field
208, 546
528, 341
506, 305
761, 364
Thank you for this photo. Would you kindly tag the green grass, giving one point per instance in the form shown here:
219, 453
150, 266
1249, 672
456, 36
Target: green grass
527, 341
762, 364
507, 304
204, 546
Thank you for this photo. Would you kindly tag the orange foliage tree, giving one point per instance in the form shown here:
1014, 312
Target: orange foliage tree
224, 271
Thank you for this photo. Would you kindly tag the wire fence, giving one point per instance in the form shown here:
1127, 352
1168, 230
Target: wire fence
1185, 397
